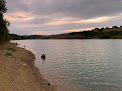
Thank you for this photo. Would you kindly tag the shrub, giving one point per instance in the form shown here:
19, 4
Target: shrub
8, 54
12, 49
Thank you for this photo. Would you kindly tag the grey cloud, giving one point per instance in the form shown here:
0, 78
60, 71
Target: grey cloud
17, 6
81, 9
38, 21
77, 8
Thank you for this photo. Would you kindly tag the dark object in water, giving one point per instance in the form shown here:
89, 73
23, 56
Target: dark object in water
43, 56
48, 83
17, 43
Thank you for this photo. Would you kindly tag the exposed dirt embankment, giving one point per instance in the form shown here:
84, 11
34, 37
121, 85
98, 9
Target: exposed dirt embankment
17, 72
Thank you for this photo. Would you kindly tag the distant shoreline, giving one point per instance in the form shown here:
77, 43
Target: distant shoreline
98, 33
17, 70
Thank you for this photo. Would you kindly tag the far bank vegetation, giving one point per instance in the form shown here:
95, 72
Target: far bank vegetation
97, 33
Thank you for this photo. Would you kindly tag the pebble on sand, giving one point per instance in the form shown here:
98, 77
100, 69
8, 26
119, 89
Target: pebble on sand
48, 83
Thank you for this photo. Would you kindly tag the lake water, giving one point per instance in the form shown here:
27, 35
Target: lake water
73, 65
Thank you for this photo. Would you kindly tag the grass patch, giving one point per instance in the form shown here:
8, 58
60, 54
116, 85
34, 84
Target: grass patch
8, 54
12, 49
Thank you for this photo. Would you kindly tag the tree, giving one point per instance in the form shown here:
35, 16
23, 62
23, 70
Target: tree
107, 28
102, 28
114, 26
3, 7
106, 36
4, 32
96, 29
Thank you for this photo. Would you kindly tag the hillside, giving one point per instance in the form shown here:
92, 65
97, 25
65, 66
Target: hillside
98, 33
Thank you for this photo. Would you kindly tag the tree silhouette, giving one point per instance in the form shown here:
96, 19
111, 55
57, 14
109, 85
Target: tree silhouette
4, 35
3, 7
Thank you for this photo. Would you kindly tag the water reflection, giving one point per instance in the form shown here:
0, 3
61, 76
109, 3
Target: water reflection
75, 64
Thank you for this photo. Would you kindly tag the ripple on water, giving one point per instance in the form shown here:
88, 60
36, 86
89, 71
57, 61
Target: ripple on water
73, 65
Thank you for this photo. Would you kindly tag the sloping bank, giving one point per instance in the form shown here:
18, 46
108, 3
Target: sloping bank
17, 70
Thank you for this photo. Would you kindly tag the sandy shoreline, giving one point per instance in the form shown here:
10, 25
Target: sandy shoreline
17, 70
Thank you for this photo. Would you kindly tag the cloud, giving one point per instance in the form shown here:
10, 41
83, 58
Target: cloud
77, 30
15, 6
76, 8
57, 16
19, 17
85, 21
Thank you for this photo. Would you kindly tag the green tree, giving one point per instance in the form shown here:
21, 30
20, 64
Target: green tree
114, 26
102, 28
4, 32
106, 36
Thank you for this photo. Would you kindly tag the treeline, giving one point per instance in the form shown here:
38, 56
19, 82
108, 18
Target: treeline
18, 37
98, 33
4, 32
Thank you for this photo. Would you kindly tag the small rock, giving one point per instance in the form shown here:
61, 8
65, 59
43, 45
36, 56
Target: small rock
43, 56
48, 83
17, 43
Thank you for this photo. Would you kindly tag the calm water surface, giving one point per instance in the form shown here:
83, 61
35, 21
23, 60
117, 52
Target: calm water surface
73, 65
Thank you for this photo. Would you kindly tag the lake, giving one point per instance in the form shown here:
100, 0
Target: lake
74, 65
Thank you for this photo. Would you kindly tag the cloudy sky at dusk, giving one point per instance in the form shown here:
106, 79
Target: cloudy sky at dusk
43, 17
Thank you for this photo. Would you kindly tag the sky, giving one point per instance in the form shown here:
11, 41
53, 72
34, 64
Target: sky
47, 17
